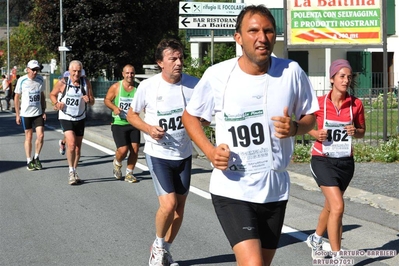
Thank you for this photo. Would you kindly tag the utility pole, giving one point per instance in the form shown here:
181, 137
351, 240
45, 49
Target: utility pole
8, 39
62, 43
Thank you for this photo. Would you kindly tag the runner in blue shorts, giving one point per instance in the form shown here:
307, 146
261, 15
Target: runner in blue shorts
167, 146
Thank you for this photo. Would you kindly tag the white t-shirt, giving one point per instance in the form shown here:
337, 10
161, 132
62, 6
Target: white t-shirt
164, 104
5, 85
30, 91
224, 87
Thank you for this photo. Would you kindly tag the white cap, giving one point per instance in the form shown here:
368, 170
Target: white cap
33, 64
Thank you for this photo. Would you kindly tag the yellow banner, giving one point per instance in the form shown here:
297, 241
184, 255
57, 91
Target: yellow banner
322, 22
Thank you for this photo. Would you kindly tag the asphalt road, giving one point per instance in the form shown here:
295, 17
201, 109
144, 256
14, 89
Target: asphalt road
44, 221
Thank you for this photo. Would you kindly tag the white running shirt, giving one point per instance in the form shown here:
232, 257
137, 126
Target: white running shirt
30, 91
224, 86
164, 104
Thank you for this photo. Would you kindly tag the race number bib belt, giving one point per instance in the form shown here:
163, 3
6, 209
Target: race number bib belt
338, 143
169, 115
34, 98
123, 101
246, 132
73, 97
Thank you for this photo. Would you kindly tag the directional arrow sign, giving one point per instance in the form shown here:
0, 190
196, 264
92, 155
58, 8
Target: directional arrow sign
204, 8
207, 22
64, 48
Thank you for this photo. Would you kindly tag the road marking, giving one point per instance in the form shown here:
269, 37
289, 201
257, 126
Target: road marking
200, 192
111, 152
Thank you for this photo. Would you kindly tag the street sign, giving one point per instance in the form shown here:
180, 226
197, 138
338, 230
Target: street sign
209, 8
202, 22
64, 48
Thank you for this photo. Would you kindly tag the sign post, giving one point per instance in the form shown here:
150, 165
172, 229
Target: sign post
207, 22
208, 15
209, 8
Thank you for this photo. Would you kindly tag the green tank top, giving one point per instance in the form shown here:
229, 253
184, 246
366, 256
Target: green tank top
123, 101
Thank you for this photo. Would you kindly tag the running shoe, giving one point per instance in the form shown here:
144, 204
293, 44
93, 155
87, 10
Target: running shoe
71, 178
117, 170
317, 247
168, 260
62, 147
31, 166
131, 178
157, 257
77, 178
38, 164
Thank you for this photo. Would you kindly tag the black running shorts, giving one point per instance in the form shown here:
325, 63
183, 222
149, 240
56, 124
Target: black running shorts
242, 220
28, 122
76, 126
332, 172
125, 135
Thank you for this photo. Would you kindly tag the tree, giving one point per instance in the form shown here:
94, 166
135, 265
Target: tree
26, 44
19, 11
107, 34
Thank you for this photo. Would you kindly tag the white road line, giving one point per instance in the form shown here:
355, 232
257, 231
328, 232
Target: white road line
111, 152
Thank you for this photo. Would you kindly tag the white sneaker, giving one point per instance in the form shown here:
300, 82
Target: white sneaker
317, 247
156, 257
168, 260
71, 178
117, 170
77, 178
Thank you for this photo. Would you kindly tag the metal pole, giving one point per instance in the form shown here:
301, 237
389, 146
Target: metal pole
385, 71
397, 96
285, 51
212, 44
8, 39
62, 54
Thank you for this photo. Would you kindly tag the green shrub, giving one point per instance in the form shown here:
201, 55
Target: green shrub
363, 153
378, 103
302, 153
387, 152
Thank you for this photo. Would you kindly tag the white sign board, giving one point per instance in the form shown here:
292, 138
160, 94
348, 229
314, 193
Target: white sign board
209, 8
64, 48
207, 22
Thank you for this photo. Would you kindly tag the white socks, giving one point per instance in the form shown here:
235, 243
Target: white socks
316, 237
159, 242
